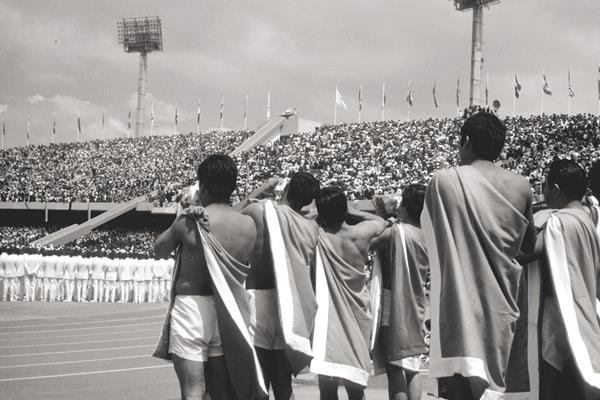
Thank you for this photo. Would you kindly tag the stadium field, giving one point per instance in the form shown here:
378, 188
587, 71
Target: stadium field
73, 351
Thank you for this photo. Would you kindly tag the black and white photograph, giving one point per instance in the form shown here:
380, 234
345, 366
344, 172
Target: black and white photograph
253, 200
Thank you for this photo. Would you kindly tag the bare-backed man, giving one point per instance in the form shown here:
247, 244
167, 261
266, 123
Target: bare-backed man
214, 248
477, 219
343, 321
291, 297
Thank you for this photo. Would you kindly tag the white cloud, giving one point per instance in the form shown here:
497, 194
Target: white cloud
36, 98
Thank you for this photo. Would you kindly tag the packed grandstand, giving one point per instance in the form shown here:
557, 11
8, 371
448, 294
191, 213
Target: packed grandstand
365, 159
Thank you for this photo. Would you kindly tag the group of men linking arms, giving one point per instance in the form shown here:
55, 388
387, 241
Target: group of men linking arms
264, 290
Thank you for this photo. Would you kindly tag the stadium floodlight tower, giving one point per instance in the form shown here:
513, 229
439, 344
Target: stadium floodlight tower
140, 35
476, 44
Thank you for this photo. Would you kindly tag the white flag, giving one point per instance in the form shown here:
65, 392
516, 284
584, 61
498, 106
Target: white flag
339, 100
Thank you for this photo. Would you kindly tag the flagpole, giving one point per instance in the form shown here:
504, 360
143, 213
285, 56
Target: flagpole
335, 106
408, 107
246, 113
359, 101
3, 131
53, 126
175, 121
515, 95
198, 119
569, 93
383, 102
542, 92
151, 118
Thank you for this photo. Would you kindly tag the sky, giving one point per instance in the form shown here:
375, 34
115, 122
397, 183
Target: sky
62, 58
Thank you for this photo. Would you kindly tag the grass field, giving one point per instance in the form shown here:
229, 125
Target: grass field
74, 351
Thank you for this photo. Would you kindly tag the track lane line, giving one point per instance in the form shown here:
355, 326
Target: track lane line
82, 373
75, 351
147, 330
78, 329
81, 323
74, 362
84, 342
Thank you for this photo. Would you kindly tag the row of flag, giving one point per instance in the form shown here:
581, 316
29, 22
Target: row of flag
339, 101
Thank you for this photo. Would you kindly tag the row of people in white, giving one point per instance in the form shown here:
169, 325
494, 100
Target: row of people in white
31, 277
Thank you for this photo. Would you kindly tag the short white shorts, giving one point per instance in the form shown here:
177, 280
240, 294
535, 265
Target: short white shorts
265, 327
386, 305
194, 329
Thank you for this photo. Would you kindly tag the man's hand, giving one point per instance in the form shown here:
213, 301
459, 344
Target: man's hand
386, 206
266, 189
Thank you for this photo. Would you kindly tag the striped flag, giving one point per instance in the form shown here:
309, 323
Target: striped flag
339, 100
151, 118
28, 128
198, 117
221, 113
409, 97
458, 91
518, 87
546, 87
360, 98
268, 106
78, 126
53, 126
435, 103
571, 88
487, 91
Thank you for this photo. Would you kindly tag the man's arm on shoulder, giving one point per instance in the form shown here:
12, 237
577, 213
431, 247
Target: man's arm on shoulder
170, 239
254, 211
382, 242
529, 239
370, 225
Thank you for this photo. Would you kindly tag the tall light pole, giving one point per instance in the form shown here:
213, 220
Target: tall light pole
140, 35
476, 45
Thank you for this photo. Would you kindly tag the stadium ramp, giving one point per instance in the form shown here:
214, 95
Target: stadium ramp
266, 133
76, 231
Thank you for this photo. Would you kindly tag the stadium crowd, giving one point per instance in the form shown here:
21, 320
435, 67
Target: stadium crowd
107, 170
365, 159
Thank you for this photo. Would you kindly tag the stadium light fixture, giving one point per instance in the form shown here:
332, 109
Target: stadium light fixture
140, 35
476, 44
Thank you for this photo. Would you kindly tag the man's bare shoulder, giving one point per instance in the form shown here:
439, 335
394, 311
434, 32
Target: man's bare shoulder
254, 210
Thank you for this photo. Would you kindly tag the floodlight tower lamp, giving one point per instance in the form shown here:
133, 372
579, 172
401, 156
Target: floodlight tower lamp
140, 35
476, 45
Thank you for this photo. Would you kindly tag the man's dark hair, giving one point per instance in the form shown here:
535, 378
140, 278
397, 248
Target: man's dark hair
218, 174
413, 199
486, 134
332, 206
594, 178
569, 176
302, 189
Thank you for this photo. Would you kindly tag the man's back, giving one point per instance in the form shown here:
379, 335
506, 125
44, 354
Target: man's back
236, 233
350, 244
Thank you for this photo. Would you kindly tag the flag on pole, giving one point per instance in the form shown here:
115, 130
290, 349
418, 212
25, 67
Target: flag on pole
102, 119
435, 95
129, 120
458, 91
268, 106
571, 88
518, 86
151, 118
198, 118
176, 115
487, 92
360, 98
339, 100
246, 113
409, 97
546, 87
3, 132
53, 126
28, 129
221, 113
78, 126
383, 100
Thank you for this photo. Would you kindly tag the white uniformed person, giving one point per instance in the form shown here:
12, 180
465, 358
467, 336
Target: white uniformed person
110, 285
82, 276
125, 279
69, 278
97, 276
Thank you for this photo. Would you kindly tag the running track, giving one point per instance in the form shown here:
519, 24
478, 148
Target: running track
72, 351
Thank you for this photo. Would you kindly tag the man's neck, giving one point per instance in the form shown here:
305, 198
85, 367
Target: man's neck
572, 204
